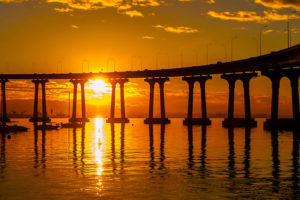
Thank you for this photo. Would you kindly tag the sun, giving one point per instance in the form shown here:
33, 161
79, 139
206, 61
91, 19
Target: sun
98, 86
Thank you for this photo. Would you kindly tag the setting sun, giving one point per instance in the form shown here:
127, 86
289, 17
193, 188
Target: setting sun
98, 86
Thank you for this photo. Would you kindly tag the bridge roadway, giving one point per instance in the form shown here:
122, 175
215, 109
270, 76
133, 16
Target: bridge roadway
285, 58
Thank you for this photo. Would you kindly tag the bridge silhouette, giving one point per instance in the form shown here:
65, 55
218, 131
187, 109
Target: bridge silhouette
283, 63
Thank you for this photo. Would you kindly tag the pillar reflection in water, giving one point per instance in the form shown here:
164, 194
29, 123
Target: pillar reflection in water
191, 149
3, 157
231, 156
162, 157
75, 165
113, 151
151, 148
203, 152
82, 149
43, 159
295, 160
36, 151
122, 148
162, 147
276, 161
247, 152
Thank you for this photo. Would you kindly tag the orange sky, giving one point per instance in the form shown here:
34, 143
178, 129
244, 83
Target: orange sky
106, 35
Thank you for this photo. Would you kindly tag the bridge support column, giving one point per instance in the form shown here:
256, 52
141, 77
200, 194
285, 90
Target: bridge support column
45, 118
197, 121
162, 119
239, 122
83, 110
74, 110
295, 95
36, 100
4, 117
286, 123
275, 78
74, 118
35, 118
112, 118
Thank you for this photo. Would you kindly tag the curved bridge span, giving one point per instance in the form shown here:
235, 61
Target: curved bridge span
276, 60
274, 65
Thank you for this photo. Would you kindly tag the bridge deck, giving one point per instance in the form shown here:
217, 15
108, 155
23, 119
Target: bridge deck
289, 57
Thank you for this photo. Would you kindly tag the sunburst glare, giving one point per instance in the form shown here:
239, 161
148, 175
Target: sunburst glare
98, 86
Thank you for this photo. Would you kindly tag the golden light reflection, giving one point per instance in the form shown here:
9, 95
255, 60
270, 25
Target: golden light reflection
99, 123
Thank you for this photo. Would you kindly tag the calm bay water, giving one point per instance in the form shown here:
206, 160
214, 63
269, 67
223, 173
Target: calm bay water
137, 161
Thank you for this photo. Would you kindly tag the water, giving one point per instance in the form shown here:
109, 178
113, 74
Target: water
136, 161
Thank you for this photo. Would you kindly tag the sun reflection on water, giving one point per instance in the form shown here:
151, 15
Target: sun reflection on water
99, 123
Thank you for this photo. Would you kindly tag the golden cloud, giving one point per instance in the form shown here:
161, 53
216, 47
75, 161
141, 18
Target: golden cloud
133, 13
278, 4
179, 29
251, 16
147, 37
63, 9
75, 26
69, 5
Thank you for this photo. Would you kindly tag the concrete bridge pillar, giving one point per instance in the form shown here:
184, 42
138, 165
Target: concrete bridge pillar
122, 82
36, 99
112, 118
248, 121
275, 96
43, 83
161, 83
113, 98
190, 120
35, 118
83, 111
202, 80
294, 79
151, 100
275, 76
191, 83
162, 119
75, 84
74, 119
4, 117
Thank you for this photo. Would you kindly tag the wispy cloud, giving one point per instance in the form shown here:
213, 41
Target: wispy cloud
178, 29
63, 9
278, 4
147, 37
75, 26
251, 16
133, 13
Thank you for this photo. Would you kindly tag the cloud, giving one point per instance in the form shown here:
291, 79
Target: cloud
178, 29
243, 16
98, 4
207, 1
133, 13
75, 26
251, 16
63, 9
278, 4
147, 37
